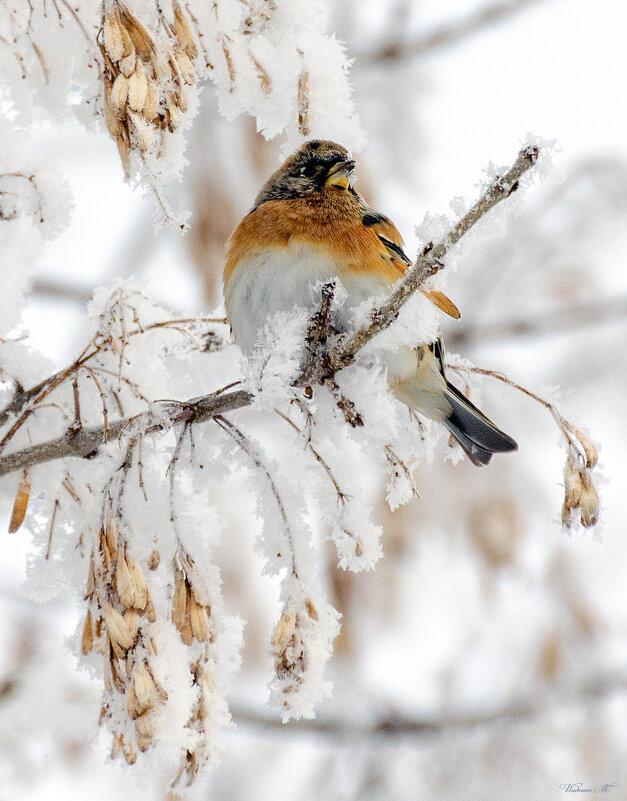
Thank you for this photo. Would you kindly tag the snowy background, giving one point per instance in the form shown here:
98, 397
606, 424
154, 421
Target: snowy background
485, 655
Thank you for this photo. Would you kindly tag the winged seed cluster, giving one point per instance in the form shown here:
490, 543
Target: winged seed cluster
145, 78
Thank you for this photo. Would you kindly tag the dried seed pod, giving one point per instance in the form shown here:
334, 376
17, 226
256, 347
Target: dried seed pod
161, 65
185, 67
129, 63
111, 117
113, 37
111, 534
186, 629
284, 630
137, 87
20, 505
573, 485
132, 618
181, 99
124, 149
117, 627
183, 32
119, 92
104, 550
138, 582
118, 682
139, 35
87, 639
91, 579
133, 706
124, 583
143, 731
179, 601
590, 449
173, 113
149, 112
198, 619
146, 690
150, 611
589, 505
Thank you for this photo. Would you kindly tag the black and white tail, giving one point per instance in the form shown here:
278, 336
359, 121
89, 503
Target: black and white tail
478, 436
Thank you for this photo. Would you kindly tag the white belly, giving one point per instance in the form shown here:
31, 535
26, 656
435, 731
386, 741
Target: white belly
282, 279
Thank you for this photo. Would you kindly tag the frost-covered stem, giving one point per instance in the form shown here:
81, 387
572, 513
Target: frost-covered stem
430, 260
86, 442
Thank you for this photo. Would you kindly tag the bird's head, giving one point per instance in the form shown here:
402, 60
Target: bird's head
315, 165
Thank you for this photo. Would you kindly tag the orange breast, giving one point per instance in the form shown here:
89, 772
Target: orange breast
331, 222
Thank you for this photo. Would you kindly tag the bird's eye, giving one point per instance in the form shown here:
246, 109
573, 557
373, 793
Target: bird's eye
309, 170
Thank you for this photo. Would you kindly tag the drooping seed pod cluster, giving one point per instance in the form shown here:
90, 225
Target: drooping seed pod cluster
118, 625
192, 618
146, 78
580, 494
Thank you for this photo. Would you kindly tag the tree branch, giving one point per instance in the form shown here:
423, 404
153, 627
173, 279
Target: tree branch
445, 35
85, 442
394, 725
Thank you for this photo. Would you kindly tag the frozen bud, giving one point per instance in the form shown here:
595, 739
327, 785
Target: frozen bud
20, 505
144, 731
113, 37
128, 63
153, 561
117, 627
124, 584
589, 504
137, 87
119, 92
91, 579
284, 630
87, 639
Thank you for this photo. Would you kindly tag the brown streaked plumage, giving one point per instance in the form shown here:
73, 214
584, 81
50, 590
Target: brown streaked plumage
309, 224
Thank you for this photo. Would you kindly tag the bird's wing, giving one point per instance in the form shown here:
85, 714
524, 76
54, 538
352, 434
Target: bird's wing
392, 241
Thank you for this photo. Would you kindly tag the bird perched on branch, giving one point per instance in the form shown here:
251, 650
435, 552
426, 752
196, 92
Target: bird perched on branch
309, 224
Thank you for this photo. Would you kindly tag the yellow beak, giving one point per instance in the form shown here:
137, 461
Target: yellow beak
340, 174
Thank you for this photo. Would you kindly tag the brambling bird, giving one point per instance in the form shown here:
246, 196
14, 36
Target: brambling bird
309, 224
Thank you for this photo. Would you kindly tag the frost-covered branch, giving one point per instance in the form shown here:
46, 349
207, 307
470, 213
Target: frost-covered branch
83, 442
431, 259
